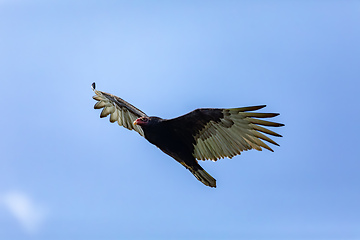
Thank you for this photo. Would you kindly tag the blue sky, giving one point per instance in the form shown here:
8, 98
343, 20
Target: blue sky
67, 174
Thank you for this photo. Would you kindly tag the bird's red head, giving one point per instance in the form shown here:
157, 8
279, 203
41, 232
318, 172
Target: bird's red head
141, 121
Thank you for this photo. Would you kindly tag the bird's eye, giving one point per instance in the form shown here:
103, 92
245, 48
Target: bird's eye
144, 119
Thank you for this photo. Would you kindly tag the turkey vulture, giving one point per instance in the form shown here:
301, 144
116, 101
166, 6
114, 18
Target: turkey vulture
203, 134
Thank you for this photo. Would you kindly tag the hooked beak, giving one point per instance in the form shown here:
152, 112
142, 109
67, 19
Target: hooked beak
135, 122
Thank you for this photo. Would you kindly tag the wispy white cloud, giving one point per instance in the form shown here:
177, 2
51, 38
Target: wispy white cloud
30, 215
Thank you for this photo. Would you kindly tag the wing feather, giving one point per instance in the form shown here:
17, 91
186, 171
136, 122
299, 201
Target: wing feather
259, 115
119, 110
264, 123
265, 130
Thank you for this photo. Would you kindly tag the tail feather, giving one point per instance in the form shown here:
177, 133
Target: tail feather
204, 177
200, 173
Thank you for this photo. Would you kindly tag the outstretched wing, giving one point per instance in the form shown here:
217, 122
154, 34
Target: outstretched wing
219, 133
120, 110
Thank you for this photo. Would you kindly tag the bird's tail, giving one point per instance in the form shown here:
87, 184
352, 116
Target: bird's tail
204, 177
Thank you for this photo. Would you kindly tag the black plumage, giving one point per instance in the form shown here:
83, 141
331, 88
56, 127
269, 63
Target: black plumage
208, 133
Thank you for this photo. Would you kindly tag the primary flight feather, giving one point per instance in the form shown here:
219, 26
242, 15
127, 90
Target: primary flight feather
203, 134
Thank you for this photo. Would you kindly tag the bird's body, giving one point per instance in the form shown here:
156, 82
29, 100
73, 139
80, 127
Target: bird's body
209, 133
176, 144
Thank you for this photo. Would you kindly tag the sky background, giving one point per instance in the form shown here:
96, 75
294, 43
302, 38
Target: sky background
67, 174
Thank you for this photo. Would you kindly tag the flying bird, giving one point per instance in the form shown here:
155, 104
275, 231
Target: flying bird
203, 134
